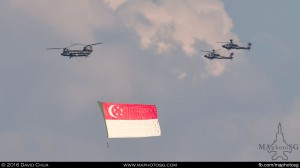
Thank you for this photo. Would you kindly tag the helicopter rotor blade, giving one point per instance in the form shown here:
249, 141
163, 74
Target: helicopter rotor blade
61, 48
77, 44
54, 48
205, 51
85, 44
237, 41
96, 43
230, 40
73, 44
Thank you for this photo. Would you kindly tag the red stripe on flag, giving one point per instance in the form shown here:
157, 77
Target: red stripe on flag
118, 111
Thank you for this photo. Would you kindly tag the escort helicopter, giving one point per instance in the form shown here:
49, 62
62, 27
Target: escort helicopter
214, 55
231, 45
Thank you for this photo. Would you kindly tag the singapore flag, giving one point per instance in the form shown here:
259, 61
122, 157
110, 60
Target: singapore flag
130, 120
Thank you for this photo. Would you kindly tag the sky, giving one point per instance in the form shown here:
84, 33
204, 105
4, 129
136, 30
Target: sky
219, 110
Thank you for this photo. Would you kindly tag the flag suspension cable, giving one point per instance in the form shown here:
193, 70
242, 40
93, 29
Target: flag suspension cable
107, 144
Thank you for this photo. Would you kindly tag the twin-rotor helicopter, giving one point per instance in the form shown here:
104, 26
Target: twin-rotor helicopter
229, 45
85, 52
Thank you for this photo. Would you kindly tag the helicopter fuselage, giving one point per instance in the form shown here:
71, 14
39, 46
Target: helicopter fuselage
230, 46
213, 55
76, 53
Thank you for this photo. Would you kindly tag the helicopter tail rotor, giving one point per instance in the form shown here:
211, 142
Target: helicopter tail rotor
249, 46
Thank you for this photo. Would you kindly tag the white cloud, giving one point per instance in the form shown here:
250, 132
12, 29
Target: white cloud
215, 68
170, 25
182, 76
114, 4
178, 23
163, 47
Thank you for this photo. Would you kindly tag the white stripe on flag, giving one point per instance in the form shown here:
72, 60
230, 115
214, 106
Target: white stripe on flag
132, 128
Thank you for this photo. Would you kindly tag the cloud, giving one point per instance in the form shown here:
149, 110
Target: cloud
166, 26
114, 4
178, 23
215, 68
169, 26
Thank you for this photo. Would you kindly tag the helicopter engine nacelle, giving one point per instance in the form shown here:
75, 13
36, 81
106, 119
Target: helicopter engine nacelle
87, 48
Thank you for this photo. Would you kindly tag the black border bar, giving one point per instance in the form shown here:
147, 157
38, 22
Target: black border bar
150, 164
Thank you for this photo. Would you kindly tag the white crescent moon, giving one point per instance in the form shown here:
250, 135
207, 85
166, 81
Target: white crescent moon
110, 111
